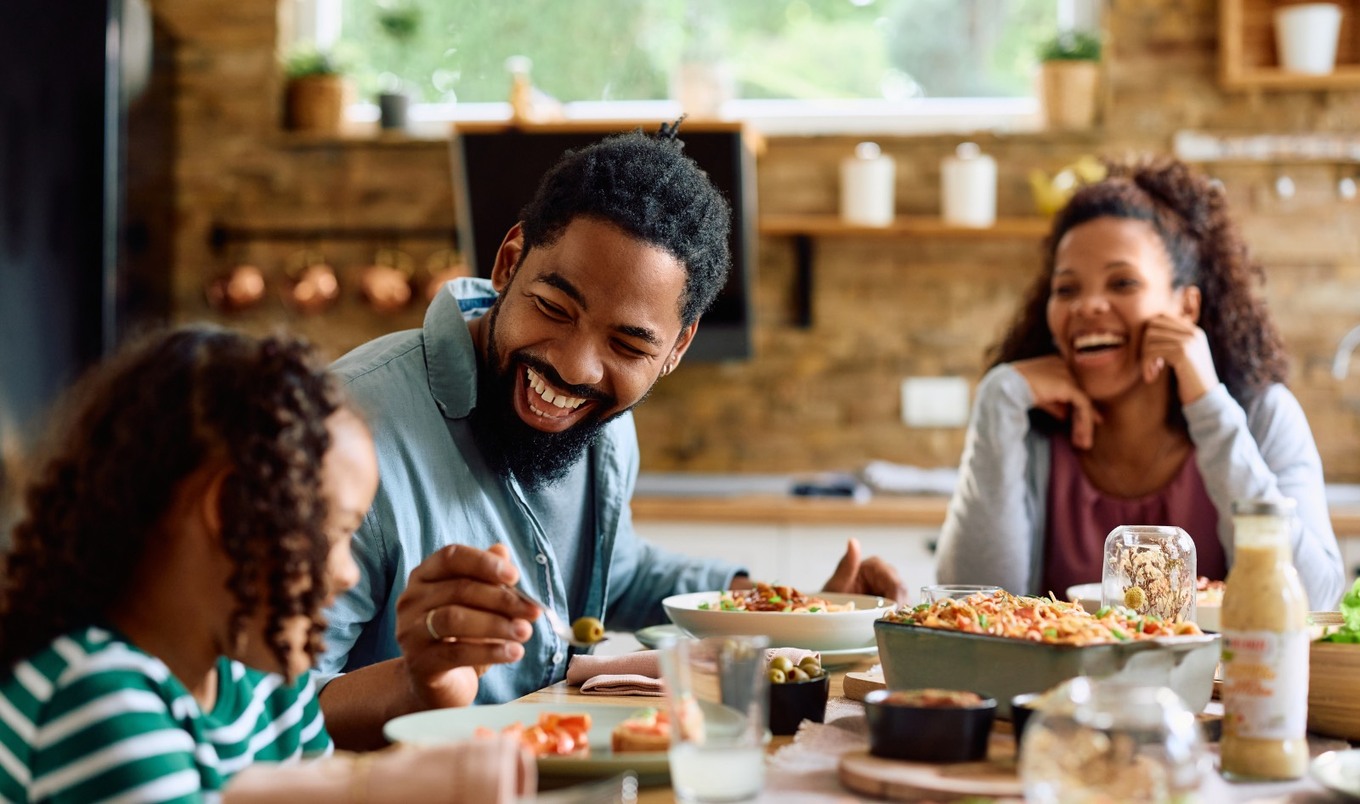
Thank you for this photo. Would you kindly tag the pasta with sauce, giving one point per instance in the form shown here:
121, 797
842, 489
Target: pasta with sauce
1038, 619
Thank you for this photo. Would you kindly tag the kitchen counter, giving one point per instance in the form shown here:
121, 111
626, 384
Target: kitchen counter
764, 499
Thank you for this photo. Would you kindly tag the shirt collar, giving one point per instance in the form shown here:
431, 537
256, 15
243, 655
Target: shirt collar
450, 352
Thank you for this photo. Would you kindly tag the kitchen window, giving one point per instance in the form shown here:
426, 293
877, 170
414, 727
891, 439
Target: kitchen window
792, 66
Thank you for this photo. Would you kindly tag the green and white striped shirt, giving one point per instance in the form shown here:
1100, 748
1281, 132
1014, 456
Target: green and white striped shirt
92, 718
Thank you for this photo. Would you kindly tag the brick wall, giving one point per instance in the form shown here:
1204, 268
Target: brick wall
813, 398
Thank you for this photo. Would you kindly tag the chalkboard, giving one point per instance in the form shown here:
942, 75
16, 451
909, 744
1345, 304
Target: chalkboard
498, 168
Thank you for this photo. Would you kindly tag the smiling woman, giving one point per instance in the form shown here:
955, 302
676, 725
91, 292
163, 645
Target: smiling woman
1141, 382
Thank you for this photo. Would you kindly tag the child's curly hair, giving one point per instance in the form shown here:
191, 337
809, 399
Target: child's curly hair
1189, 212
136, 427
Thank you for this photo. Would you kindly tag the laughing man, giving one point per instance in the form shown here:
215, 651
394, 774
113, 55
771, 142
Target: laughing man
507, 452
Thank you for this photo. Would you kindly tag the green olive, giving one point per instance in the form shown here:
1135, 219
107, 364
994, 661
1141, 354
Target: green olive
781, 663
777, 676
587, 629
810, 663
798, 675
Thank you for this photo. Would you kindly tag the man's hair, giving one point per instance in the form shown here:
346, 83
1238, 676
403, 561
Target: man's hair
646, 186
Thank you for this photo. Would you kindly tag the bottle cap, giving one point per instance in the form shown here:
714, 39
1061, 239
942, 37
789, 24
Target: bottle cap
968, 150
1264, 506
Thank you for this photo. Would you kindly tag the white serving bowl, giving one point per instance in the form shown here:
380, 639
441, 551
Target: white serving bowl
1087, 594
825, 630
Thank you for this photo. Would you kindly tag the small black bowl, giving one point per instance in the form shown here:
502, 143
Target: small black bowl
928, 733
1022, 706
792, 703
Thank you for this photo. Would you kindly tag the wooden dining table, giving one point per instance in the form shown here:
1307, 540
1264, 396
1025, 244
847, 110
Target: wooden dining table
1303, 791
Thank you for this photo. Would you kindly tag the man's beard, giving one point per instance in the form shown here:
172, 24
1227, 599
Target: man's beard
510, 446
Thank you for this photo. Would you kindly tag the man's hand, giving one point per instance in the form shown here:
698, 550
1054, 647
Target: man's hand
458, 595
872, 576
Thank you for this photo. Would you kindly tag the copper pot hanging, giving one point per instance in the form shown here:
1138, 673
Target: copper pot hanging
443, 266
386, 284
312, 283
239, 289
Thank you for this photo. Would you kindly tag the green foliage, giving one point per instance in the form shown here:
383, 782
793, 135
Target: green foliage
307, 60
400, 22
1350, 611
607, 50
1071, 46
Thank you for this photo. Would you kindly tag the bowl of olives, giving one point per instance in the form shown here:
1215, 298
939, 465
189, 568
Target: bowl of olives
798, 692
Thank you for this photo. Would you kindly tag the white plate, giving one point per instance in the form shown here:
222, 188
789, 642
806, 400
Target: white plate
653, 635
841, 658
820, 631
453, 725
1338, 771
1087, 594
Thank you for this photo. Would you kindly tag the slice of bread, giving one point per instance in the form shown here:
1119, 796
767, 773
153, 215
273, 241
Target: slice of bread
648, 730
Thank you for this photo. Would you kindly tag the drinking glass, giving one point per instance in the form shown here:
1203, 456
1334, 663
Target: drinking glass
930, 594
1109, 740
716, 691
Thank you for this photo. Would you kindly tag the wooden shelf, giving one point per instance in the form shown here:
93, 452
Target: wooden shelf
1246, 49
803, 228
902, 226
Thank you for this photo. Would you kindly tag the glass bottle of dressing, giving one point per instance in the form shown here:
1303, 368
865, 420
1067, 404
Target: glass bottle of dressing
1265, 648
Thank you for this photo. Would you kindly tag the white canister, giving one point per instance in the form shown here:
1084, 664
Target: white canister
968, 187
1305, 37
868, 186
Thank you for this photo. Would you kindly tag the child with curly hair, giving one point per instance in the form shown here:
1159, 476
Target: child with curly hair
1140, 383
160, 607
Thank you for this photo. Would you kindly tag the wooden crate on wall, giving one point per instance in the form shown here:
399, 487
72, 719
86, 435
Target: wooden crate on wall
1246, 49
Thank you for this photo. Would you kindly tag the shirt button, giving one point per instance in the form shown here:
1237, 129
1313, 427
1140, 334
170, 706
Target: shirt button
542, 559
557, 657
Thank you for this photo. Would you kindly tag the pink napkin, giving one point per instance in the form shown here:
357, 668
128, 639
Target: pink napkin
638, 673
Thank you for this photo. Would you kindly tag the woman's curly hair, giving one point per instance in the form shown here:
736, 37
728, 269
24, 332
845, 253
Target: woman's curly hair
1189, 212
138, 426
648, 187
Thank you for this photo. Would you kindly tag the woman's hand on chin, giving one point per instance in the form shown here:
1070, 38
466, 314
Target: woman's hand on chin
1179, 344
1056, 392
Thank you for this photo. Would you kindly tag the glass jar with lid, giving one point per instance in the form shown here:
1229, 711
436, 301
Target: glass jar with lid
1150, 569
1108, 740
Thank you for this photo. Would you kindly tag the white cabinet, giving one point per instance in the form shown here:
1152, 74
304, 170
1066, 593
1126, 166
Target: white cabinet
803, 556
816, 550
762, 549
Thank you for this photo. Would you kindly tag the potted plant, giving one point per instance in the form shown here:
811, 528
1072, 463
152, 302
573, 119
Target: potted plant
1069, 76
399, 21
316, 91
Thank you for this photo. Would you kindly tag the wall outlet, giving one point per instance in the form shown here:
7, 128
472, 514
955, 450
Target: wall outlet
935, 402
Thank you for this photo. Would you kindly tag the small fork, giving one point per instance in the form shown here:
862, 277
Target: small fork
563, 632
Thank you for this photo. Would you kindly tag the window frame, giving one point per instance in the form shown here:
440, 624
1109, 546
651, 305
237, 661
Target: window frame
319, 21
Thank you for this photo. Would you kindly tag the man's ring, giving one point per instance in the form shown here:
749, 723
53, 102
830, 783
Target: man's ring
429, 626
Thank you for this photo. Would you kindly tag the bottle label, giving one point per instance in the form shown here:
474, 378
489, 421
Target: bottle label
1265, 684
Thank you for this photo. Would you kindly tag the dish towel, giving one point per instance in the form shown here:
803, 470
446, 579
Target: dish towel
639, 673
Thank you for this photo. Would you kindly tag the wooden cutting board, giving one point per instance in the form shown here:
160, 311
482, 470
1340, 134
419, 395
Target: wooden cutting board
899, 780
857, 685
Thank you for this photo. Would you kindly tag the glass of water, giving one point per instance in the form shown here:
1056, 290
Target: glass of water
956, 591
717, 689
